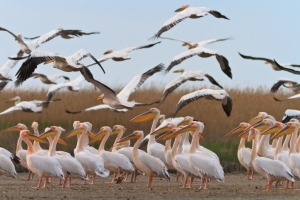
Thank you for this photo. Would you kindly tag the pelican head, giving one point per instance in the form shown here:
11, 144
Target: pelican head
61, 28
241, 127
187, 43
100, 135
164, 129
150, 114
134, 135
101, 97
182, 8
34, 125
117, 129
193, 126
80, 127
252, 133
16, 99
193, 46
275, 128
90, 125
186, 121
257, 118
108, 51
28, 135
19, 36
75, 124
288, 129
179, 71
17, 128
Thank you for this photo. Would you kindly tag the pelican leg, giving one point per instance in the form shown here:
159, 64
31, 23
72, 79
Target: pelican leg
150, 179
39, 183
202, 181
286, 185
93, 179
59, 182
134, 176
252, 174
49, 179
69, 185
184, 182
29, 175
126, 177
32, 174
64, 184
191, 182
292, 185
269, 185
177, 177
206, 183
45, 183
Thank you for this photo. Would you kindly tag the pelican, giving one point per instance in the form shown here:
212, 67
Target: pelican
121, 55
70, 166
296, 96
3, 84
204, 165
220, 95
67, 34
67, 64
292, 85
186, 76
272, 170
244, 153
29, 46
7, 168
187, 12
26, 106
124, 94
4, 70
41, 165
201, 51
92, 163
112, 161
275, 66
290, 114
49, 79
150, 165
73, 86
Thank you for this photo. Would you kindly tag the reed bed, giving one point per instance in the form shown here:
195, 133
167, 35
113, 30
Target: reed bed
247, 103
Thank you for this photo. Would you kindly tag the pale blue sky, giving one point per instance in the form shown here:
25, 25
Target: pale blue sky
260, 28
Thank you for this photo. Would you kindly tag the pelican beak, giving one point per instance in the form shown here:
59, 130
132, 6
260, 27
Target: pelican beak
261, 126
166, 136
185, 129
35, 138
161, 130
74, 132
285, 131
107, 52
100, 135
144, 117
272, 130
100, 97
62, 142
11, 100
12, 129
180, 9
114, 132
177, 71
129, 137
49, 61
236, 130
183, 123
49, 133
254, 120
91, 134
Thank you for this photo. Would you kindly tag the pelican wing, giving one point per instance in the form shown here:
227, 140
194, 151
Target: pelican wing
128, 49
9, 155
296, 96
170, 87
77, 32
183, 163
11, 109
3, 84
4, 70
137, 81
157, 150
118, 160
56, 76
246, 156
281, 82
35, 58
7, 166
54, 88
45, 38
98, 107
286, 69
205, 42
155, 165
255, 58
208, 166
184, 42
183, 56
217, 14
70, 165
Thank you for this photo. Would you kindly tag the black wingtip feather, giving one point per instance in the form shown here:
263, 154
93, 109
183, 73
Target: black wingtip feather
70, 112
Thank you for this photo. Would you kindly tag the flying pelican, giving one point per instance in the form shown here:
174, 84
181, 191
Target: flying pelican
199, 49
244, 153
26, 106
270, 169
187, 12
296, 96
124, 94
290, 114
29, 46
67, 64
41, 165
73, 86
70, 166
92, 163
121, 55
68, 34
3, 84
150, 165
186, 76
112, 161
293, 85
204, 165
49, 79
220, 95
4, 70
275, 66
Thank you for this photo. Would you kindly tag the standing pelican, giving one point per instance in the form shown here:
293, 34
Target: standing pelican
187, 12
146, 163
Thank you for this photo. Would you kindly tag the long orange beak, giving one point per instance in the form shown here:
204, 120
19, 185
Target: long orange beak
161, 130
129, 137
100, 135
187, 129
271, 130
74, 132
35, 138
12, 129
235, 130
285, 131
144, 117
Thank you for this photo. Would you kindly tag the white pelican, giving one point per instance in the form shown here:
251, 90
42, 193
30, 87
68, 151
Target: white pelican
7, 168
3, 84
67, 64
26, 106
187, 12
290, 114
296, 96
272, 170
244, 153
73, 86
51, 79
67, 34
121, 55
114, 162
186, 76
275, 66
220, 95
92, 163
288, 83
40, 165
29, 46
124, 94
70, 166
204, 165
4, 70
201, 51
150, 165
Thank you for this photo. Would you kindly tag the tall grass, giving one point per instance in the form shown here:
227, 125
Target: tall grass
246, 104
